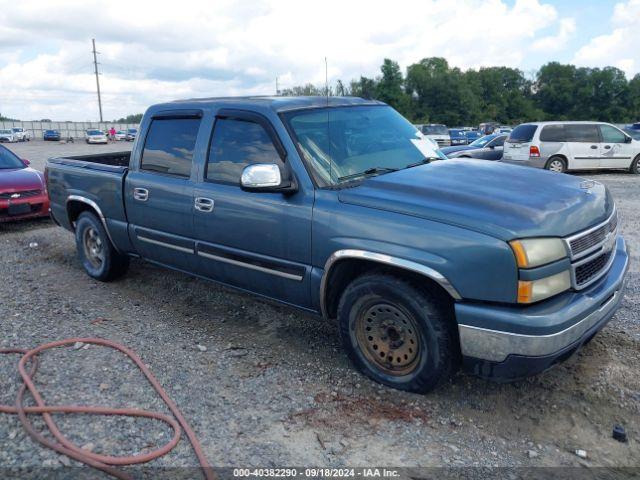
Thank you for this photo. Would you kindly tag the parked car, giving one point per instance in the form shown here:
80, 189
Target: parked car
422, 263
457, 136
22, 189
563, 146
487, 128
7, 135
21, 134
121, 135
503, 129
131, 134
51, 135
633, 133
472, 135
437, 132
96, 136
488, 147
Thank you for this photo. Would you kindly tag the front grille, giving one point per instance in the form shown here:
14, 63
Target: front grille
594, 237
591, 269
23, 194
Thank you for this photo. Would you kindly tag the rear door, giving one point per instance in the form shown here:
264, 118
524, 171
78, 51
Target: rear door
258, 241
583, 142
516, 146
615, 152
159, 192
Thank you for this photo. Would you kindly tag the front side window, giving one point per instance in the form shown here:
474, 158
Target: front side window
582, 133
345, 143
235, 144
169, 146
612, 135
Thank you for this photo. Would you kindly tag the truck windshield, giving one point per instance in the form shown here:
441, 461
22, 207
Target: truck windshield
345, 143
435, 130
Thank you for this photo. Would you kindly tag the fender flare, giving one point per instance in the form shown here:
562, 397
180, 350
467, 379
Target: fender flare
385, 260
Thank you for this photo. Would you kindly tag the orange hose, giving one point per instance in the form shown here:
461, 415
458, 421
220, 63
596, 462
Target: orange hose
64, 446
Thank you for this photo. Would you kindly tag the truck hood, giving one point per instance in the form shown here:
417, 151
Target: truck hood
504, 201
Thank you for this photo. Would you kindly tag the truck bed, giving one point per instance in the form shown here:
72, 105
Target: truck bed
111, 162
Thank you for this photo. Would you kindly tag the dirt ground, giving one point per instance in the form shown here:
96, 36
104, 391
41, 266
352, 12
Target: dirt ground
273, 387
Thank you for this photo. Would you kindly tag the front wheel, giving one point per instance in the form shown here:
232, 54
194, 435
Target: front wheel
556, 164
97, 255
397, 333
635, 166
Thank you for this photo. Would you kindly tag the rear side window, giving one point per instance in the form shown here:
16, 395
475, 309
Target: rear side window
236, 144
169, 146
582, 133
552, 133
612, 135
523, 133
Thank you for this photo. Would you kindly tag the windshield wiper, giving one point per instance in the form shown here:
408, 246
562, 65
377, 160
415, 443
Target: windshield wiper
369, 171
422, 162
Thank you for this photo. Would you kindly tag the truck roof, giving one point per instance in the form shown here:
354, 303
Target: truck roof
276, 103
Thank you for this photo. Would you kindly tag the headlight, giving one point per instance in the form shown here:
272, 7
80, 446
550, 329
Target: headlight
530, 291
533, 252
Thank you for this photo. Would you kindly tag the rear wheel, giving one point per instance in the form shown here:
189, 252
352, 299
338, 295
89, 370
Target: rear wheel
556, 164
396, 333
635, 166
98, 256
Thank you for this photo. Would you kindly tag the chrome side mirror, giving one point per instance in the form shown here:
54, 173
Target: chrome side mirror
265, 177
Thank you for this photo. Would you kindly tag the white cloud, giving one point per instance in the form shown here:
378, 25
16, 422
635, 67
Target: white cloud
156, 50
619, 47
553, 43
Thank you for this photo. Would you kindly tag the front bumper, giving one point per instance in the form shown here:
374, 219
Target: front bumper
510, 342
38, 207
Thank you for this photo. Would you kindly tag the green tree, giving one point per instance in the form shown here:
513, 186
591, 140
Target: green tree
390, 86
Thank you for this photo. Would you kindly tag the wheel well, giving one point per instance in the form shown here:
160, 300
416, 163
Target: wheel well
76, 207
347, 270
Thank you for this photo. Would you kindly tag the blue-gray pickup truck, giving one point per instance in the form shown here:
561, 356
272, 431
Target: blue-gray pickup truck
339, 206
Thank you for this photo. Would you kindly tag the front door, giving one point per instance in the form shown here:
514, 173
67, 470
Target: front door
257, 241
615, 152
159, 193
584, 145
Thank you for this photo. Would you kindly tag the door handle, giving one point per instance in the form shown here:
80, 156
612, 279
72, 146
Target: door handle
593, 147
203, 204
607, 147
141, 194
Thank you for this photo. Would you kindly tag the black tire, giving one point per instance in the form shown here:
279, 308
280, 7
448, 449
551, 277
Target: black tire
397, 300
96, 252
556, 161
635, 166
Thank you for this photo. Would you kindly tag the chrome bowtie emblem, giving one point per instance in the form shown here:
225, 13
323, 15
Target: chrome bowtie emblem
15, 195
587, 185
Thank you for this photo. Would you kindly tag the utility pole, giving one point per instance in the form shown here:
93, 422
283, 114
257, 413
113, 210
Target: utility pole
277, 89
95, 66
326, 78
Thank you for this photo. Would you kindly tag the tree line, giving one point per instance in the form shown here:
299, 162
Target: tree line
432, 91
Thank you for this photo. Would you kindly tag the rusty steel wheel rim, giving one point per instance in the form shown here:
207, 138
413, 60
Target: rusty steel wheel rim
388, 337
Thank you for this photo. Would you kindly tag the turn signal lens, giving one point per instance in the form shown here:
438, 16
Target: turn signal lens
536, 290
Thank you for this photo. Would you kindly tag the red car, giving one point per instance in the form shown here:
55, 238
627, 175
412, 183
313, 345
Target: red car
23, 193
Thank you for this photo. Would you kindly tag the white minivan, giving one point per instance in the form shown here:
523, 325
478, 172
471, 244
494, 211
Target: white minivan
563, 146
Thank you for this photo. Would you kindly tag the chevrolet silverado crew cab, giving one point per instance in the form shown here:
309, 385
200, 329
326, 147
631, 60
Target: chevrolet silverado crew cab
335, 206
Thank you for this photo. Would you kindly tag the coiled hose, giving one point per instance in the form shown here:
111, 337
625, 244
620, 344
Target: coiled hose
63, 445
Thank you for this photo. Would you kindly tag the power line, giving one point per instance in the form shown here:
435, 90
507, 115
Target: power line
95, 66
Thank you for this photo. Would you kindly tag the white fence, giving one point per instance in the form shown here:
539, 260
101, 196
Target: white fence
66, 129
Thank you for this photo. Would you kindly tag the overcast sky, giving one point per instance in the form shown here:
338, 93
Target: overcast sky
161, 50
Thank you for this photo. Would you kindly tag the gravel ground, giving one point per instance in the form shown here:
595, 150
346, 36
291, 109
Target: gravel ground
273, 387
